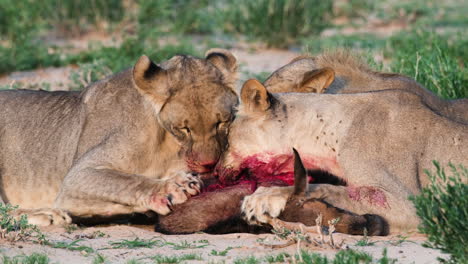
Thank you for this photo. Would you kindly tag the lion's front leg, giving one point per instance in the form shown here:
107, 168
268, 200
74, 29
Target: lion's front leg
102, 192
265, 203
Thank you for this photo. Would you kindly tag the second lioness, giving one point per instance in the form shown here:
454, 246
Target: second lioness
341, 72
124, 144
377, 143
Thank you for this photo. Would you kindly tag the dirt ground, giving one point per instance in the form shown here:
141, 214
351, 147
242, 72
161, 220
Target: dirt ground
243, 245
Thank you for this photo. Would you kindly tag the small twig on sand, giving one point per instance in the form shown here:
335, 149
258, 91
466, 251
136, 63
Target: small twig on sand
279, 224
294, 233
276, 246
318, 224
331, 229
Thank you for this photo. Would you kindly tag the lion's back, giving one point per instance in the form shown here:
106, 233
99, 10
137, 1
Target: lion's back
38, 131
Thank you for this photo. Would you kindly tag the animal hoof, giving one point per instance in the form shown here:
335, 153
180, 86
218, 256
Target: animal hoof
376, 225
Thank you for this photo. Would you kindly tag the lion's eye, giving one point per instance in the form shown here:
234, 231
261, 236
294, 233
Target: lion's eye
181, 132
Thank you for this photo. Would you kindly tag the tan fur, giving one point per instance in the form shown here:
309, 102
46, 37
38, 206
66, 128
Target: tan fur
128, 143
379, 143
352, 75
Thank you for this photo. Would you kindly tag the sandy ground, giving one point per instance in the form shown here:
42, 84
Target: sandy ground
243, 245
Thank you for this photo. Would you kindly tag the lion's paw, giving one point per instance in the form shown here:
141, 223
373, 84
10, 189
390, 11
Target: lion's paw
265, 203
45, 216
175, 191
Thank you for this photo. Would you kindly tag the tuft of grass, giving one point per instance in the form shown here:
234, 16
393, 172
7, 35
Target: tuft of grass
363, 41
278, 22
215, 252
99, 259
188, 245
34, 258
27, 54
124, 56
353, 8
279, 258
134, 261
182, 16
443, 209
71, 228
14, 229
400, 239
247, 260
364, 241
137, 243
175, 259
73, 246
433, 60
23, 18
344, 257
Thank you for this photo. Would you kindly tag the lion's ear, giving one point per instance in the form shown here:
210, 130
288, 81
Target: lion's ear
255, 96
150, 79
300, 175
224, 61
316, 81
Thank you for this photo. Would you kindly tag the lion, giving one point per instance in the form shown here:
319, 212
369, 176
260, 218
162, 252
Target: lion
342, 72
380, 164
131, 143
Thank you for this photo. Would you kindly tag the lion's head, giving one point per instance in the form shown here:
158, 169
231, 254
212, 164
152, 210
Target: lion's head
194, 100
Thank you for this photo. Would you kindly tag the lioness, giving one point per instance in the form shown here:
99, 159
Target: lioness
125, 144
342, 72
377, 143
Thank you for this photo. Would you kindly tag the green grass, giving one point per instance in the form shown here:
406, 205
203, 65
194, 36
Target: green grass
99, 259
134, 261
22, 18
137, 243
307, 257
247, 260
364, 241
279, 258
176, 258
188, 245
182, 16
364, 42
126, 55
400, 239
279, 22
443, 209
26, 55
215, 252
73, 246
345, 257
433, 60
71, 228
34, 258
18, 229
